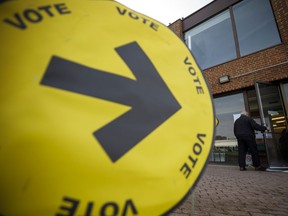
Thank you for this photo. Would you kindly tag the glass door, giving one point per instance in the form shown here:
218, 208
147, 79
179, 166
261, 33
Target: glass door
272, 115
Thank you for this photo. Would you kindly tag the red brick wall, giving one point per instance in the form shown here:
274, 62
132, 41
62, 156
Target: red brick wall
177, 28
280, 8
266, 65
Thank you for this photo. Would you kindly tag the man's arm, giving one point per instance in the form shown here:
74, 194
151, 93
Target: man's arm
256, 126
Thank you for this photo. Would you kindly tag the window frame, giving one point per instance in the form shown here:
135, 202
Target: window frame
213, 9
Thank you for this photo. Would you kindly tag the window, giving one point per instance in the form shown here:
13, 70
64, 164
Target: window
208, 43
285, 96
213, 41
255, 24
285, 87
227, 108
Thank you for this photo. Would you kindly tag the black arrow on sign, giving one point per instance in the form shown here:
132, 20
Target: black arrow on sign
150, 99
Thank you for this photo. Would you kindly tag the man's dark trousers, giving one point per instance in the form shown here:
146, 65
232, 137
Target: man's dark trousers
245, 142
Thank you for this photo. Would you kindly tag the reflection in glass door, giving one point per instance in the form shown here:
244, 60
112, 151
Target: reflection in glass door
272, 115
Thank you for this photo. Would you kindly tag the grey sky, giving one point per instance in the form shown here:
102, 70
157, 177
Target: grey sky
165, 11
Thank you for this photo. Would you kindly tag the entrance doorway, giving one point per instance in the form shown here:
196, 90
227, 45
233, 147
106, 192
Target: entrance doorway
272, 115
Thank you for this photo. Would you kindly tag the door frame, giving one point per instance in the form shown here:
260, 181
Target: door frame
262, 117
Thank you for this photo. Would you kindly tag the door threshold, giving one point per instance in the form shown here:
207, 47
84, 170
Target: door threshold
277, 169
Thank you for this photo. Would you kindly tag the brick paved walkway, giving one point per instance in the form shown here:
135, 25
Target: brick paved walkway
224, 190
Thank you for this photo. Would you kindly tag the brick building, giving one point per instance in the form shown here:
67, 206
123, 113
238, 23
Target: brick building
242, 48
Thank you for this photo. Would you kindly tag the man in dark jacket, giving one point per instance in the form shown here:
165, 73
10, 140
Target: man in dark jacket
244, 130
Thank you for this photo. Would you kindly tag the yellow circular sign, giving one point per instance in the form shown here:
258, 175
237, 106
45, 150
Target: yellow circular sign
103, 111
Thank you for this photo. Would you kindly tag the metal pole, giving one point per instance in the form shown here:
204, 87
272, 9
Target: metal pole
257, 88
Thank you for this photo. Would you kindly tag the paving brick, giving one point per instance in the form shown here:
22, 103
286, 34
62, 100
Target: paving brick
224, 190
